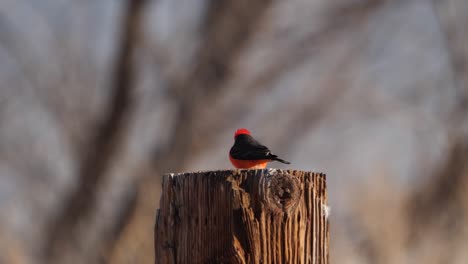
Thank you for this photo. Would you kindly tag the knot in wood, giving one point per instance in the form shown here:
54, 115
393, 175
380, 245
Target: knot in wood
281, 192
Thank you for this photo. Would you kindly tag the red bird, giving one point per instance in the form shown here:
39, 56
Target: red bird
248, 153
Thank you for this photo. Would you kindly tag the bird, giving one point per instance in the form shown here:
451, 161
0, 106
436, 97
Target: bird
248, 153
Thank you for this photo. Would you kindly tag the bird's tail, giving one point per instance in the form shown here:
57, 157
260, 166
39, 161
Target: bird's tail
282, 161
274, 157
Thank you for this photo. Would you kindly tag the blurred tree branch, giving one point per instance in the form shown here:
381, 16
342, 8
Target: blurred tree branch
439, 203
104, 143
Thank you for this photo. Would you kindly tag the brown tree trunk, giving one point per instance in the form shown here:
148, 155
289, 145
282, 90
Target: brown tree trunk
243, 216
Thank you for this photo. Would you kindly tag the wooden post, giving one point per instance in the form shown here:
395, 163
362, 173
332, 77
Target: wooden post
243, 216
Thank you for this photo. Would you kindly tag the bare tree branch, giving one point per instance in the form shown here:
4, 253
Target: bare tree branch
439, 203
104, 143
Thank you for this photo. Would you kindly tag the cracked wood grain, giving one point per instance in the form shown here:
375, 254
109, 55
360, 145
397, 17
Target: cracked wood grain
243, 216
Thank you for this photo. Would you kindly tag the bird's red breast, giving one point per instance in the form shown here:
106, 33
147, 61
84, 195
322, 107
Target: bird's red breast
249, 164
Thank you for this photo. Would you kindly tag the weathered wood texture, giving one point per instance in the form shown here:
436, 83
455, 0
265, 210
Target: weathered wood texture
243, 216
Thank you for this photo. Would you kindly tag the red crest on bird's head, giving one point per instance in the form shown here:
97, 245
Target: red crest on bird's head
241, 131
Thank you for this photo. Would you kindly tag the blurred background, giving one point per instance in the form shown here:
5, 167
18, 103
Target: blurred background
99, 98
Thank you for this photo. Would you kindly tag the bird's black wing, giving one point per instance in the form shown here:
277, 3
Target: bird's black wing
247, 148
